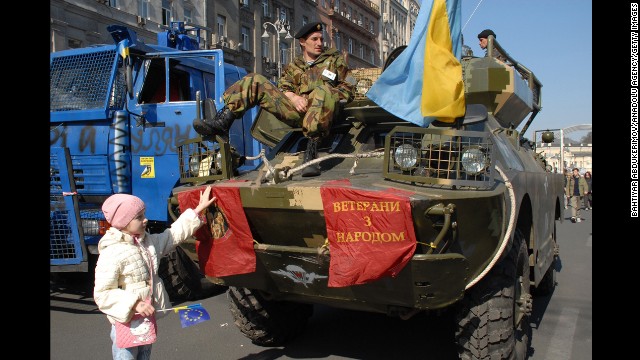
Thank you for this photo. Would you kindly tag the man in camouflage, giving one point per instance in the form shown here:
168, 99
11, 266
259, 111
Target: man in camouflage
307, 94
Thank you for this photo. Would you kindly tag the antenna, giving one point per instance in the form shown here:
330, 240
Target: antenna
470, 16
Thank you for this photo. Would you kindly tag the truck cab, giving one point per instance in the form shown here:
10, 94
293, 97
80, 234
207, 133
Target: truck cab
116, 114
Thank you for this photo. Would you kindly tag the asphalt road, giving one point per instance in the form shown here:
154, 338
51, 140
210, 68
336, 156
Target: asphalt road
562, 323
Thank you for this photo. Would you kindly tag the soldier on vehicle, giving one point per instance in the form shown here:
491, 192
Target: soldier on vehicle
483, 38
307, 94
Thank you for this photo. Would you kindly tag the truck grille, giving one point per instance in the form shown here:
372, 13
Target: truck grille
83, 81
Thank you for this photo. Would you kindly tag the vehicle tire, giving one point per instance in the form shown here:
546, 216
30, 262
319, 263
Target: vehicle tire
182, 278
267, 322
492, 318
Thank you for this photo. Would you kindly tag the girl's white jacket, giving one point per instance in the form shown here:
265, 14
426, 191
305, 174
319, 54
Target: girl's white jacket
122, 275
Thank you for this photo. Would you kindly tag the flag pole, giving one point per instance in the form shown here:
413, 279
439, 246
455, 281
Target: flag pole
177, 308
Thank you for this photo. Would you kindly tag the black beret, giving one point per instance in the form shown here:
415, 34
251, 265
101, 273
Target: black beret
485, 34
308, 28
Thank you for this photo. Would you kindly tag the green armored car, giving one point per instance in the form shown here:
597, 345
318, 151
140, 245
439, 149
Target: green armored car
403, 219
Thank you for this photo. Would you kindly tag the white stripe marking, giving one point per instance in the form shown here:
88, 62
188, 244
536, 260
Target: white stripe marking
562, 341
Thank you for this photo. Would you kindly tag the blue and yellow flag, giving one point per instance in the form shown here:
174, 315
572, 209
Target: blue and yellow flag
424, 82
123, 49
192, 314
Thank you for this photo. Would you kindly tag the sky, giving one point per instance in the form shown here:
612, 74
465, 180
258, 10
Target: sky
552, 38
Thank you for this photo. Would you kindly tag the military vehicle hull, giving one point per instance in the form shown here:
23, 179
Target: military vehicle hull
479, 215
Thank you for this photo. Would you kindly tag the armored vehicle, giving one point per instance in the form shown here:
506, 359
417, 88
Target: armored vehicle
403, 219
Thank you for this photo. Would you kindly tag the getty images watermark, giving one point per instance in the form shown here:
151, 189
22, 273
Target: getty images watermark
634, 110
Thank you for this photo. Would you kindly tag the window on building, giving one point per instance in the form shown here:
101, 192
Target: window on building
245, 38
222, 27
265, 8
265, 49
350, 48
284, 51
73, 43
371, 27
114, 3
349, 12
338, 41
143, 8
372, 56
305, 20
187, 15
244, 3
361, 51
336, 5
166, 12
283, 14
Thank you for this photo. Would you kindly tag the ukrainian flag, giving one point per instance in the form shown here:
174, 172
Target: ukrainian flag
424, 82
123, 49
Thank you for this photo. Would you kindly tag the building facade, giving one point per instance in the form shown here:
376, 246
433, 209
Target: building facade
254, 34
575, 156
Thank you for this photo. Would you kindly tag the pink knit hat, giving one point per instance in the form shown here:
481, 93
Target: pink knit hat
120, 209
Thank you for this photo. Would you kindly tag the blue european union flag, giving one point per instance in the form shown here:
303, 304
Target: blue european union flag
193, 314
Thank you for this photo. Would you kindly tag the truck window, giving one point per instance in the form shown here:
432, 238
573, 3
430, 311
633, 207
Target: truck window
210, 85
153, 89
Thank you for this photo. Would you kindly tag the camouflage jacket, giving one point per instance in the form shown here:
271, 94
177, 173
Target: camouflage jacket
301, 78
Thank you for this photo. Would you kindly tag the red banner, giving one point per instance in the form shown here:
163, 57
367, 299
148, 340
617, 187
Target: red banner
225, 242
370, 233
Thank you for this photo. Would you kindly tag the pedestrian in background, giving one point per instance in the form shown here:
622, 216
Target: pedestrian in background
126, 273
567, 177
587, 197
576, 188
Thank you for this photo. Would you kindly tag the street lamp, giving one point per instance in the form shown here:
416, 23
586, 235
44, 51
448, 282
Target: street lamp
282, 28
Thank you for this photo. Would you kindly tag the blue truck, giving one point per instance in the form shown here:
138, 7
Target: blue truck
116, 114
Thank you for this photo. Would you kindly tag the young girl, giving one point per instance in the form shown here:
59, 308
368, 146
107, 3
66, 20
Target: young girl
127, 254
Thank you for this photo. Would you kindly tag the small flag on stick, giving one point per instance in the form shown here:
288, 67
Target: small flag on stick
192, 314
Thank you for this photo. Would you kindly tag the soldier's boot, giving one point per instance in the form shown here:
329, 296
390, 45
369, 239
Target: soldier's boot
199, 125
211, 126
310, 154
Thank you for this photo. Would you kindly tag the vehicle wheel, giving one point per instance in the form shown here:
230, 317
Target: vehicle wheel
267, 322
182, 278
492, 319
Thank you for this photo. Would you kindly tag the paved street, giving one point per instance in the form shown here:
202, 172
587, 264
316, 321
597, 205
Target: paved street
562, 323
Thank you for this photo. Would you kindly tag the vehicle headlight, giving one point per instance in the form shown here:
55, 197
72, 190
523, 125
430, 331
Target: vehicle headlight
94, 227
218, 161
406, 156
474, 161
200, 166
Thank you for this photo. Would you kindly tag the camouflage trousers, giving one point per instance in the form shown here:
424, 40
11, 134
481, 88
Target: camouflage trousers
255, 89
